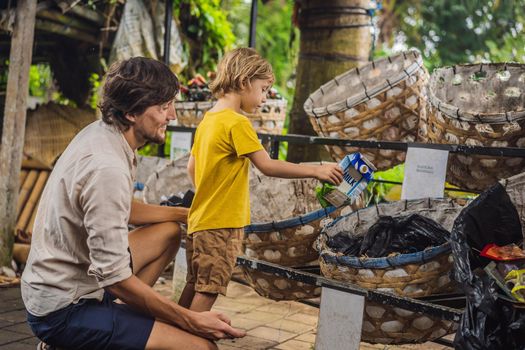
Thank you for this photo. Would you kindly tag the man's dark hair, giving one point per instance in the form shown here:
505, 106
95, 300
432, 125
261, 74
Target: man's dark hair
134, 85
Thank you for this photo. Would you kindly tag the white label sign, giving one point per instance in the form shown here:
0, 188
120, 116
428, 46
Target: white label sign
180, 144
425, 171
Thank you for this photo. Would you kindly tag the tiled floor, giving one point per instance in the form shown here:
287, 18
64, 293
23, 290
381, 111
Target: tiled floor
269, 324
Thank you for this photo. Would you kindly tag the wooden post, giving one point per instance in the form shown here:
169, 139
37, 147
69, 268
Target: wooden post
335, 36
14, 123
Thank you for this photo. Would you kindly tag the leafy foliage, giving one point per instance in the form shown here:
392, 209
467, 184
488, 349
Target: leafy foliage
207, 31
274, 39
450, 32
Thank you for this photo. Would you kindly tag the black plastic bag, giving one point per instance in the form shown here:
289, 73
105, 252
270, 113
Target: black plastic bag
488, 321
178, 201
403, 234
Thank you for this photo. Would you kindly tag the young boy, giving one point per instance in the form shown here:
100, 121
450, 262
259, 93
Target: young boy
225, 143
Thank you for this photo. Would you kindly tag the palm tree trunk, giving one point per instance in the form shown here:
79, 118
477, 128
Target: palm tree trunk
335, 37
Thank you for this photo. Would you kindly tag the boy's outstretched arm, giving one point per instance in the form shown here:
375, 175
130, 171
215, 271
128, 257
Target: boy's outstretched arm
330, 172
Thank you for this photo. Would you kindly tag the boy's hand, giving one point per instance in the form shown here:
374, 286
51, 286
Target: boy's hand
330, 172
213, 325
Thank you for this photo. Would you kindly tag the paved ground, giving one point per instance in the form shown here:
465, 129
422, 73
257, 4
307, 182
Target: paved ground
269, 324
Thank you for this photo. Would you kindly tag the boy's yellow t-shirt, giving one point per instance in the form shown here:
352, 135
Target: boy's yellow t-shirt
222, 197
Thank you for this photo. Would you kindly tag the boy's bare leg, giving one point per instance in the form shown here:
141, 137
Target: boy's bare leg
186, 297
153, 247
203, 301
165, 336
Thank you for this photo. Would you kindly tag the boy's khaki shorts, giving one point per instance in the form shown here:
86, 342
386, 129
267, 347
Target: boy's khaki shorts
211, 256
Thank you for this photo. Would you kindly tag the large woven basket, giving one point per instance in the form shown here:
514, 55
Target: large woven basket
478, 105
412, 275
382, 100
268, 119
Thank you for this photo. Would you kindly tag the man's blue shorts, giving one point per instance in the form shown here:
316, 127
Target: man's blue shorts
93, 325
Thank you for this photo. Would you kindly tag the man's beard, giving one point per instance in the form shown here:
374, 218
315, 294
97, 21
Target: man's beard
155, 139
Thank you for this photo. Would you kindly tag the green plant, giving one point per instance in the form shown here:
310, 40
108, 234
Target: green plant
94, 81
207, 31
450, 32
40, 79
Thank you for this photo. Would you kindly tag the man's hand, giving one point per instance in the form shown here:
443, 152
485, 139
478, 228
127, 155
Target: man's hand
212, 325
330, 172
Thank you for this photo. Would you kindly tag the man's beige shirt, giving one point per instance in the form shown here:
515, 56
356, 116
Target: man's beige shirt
80, 237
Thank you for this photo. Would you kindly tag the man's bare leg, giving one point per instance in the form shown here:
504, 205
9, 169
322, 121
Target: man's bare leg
166, 337
153, 247
203, 301
187, 295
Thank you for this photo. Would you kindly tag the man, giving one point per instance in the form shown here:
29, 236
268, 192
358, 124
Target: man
82, 258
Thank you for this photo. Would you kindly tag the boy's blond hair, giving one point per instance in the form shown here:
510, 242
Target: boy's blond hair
237, 69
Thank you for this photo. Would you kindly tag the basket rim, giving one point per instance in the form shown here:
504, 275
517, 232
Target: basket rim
428, 200
291, 222
459, 114
365, 94
384, 262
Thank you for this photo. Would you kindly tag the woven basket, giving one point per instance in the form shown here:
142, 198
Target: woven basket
382, 100
287, 242
478, 105
279, 288
268, 119
386, 324
412, 275
190, 114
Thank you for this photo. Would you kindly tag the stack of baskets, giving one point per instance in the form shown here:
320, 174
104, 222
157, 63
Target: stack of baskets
268, 119
383, 100
288, 220
478, 105
412, 275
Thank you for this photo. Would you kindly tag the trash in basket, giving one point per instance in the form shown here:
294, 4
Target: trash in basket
402, 235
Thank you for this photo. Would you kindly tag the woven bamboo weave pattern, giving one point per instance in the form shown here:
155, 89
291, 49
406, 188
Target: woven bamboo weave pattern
279, 288
268, 119
384, 100
386, 324
478, 105
51, 127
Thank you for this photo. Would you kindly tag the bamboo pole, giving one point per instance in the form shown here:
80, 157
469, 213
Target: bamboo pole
31, 226
21, 252
34, 164
23, 175
14, 122
23, 220
25, 191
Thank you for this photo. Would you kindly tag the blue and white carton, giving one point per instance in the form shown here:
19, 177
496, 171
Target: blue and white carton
357, 173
